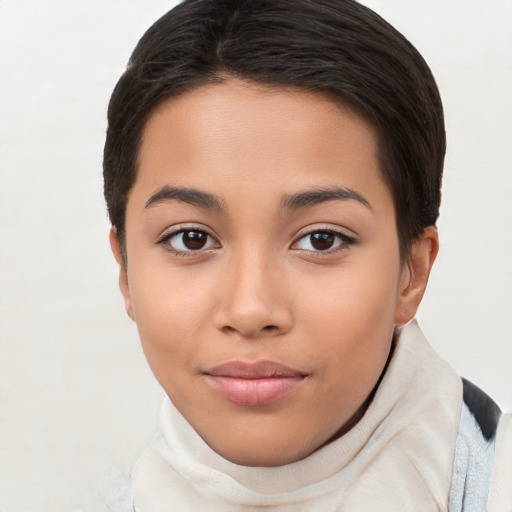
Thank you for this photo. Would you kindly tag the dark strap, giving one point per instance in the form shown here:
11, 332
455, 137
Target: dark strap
485, 410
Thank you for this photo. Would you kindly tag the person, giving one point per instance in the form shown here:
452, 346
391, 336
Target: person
272, 173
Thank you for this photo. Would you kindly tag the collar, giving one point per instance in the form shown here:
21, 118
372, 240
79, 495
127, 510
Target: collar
405, 439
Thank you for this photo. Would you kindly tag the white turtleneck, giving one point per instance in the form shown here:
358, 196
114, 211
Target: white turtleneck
398, 457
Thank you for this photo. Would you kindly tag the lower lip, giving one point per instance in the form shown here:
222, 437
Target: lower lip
254, 391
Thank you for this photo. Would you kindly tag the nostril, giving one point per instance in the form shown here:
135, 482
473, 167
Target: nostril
270, 328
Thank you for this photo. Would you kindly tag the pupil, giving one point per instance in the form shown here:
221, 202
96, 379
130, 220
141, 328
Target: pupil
194, 240
322, 241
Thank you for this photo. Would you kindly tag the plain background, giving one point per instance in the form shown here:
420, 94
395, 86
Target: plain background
78, 402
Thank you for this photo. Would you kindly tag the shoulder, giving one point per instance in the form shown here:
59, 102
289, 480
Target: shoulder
482, 468
500, 494
484, 409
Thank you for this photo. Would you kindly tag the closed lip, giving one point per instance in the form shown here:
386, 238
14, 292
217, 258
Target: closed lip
254, 370
259, 383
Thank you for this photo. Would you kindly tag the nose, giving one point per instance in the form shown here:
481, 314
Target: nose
254, 302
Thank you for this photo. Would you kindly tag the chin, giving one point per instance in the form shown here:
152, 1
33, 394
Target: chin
253, 455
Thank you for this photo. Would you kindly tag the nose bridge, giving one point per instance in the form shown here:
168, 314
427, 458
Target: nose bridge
254, 301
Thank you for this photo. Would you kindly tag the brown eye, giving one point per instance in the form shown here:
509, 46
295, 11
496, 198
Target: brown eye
194, 240
190, 240
322, 241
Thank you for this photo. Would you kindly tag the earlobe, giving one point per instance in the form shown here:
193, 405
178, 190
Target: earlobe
415, 275
115, 245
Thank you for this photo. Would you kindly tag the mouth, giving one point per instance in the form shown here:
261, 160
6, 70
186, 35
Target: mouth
259, 383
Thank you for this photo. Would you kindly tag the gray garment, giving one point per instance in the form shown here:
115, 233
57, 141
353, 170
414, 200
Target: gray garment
472, 468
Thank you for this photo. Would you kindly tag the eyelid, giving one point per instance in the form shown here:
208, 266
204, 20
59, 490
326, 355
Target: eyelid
172, 231
325, 227
347, 240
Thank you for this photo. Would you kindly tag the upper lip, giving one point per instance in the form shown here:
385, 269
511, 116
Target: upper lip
253, 370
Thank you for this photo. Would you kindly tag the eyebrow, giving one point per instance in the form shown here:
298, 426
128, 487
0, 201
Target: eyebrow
310, 198
191, 196
297, 201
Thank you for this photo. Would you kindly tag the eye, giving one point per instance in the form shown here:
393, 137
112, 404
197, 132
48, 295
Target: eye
323, 241
189, 240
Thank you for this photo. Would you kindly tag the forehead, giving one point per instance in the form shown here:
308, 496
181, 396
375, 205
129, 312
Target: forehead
252, 136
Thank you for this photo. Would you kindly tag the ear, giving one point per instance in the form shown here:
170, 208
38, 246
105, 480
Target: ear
415, 275
115, 245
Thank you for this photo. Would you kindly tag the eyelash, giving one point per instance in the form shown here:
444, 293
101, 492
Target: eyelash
345, 241
164, 241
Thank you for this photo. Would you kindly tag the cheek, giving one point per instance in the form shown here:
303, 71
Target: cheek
170, 307
359, 296
351, 313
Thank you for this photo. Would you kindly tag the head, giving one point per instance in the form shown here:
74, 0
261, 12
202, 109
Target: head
272, 174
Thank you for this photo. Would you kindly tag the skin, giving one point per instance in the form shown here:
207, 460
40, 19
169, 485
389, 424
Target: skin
259, 289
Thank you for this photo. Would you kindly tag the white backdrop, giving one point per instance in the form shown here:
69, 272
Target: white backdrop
78, 402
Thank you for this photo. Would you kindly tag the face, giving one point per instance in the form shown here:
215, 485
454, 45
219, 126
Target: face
263, 267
